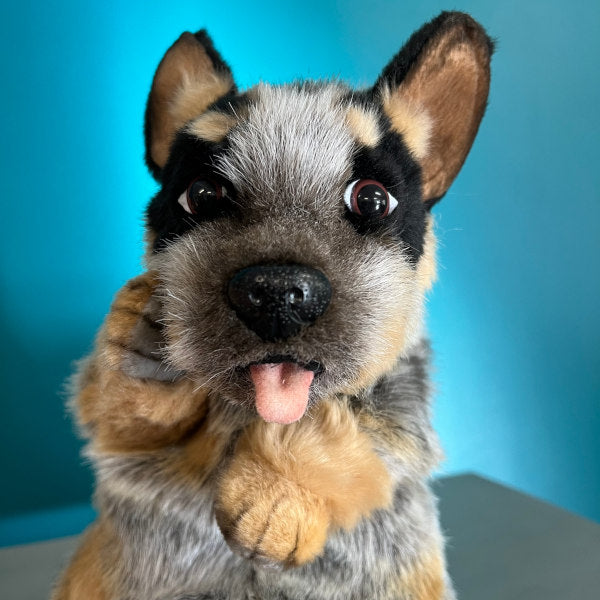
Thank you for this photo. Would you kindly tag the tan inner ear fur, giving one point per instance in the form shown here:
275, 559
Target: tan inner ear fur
185, 84
450, 82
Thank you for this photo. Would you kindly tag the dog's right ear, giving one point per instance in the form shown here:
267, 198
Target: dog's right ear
190, 77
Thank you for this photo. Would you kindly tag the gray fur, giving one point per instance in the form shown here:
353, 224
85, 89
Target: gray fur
293, 148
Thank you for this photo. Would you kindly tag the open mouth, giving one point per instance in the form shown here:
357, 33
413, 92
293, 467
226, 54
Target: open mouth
282, 387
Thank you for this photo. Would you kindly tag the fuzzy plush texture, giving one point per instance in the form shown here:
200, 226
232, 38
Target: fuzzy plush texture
199, 498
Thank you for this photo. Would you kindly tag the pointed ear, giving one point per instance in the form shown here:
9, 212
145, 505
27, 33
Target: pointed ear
434, 92
190, 77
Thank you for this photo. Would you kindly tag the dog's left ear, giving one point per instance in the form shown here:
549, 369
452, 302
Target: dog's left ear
190, 77
434, 92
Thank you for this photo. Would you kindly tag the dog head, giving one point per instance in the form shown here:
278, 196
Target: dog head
292, 233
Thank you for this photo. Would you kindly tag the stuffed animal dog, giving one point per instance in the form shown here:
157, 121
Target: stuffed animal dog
257, 404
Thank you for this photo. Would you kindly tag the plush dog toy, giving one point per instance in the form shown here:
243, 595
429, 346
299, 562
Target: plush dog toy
257, 405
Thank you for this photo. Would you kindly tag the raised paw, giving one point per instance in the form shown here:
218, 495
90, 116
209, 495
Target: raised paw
270, 519
133, 334
125, 393
287, 486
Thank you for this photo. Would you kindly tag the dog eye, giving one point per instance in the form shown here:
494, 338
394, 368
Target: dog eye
203, 196
369, 199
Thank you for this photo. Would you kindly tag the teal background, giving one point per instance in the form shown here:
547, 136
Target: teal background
514, 317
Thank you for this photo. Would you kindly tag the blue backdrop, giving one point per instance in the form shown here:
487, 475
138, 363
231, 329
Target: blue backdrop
514, 317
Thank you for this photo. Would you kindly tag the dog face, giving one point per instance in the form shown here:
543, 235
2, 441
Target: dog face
292, 234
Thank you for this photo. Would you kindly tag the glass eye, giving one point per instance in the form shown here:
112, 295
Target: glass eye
203, 196
369, 199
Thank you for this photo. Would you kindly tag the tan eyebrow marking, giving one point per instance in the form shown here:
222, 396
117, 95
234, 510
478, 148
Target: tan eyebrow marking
364, 125
212, 126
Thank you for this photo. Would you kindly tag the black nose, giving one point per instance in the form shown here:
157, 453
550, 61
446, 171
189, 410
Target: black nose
276, 301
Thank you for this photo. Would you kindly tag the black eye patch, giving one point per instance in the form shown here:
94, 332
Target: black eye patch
190, 159
391, 164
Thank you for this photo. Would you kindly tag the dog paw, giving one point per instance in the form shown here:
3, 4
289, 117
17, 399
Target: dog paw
269, 519
133, 339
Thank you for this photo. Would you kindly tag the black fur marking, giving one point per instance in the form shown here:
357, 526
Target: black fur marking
152, 323
391, 164
291, 557
432, 202
219, 64
189, 159
256, 549
231, 528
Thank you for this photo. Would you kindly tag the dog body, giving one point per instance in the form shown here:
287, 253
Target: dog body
257, 404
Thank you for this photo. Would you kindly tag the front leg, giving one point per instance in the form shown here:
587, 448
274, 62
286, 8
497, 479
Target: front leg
288, 486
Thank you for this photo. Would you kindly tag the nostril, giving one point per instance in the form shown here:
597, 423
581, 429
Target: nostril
295, 296
255, 297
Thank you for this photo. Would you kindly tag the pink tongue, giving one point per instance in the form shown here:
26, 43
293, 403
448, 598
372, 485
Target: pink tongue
281, 391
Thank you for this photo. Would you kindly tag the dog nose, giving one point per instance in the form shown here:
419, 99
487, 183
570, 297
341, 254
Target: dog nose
276, 301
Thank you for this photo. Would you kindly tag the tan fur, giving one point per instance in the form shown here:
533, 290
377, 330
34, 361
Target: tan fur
427, 265
185, 84
88, 576
212, 126
149, 240
392, 344
136, 415
451, 83
270, 516
203, 452
317, 474
410, 120
425, 579
363, 125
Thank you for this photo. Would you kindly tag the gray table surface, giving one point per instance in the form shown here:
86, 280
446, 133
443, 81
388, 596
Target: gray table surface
502, 545
505, 545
